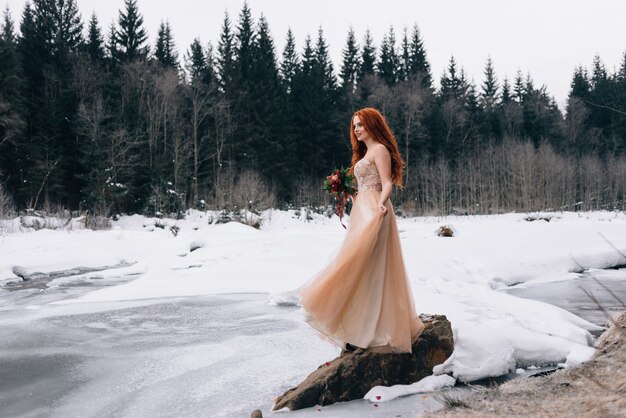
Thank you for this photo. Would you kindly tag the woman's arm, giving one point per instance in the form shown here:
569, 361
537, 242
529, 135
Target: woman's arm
382, 160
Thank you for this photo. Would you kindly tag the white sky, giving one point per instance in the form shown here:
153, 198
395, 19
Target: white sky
547, 38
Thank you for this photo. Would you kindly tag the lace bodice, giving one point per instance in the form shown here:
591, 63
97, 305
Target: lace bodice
367, 176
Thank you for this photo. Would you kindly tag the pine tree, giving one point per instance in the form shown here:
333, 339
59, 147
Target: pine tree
325, 64
264, 56
308, 57
489, 93
290, 62
404, 67
580, 85
58, 23
601, 92
599, 74
111, 45
10, 77
130, 37
519, 91
418, 61
245, 43
51, 35
368, 56
453, 83
226, 56
95, 41
314, 109
388, 63
198, 67
506, 95
350, 65
12, 121
621, 74
7, 27
268, 102
165, 48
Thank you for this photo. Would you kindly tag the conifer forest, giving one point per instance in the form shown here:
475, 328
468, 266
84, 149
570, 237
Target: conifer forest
111, 120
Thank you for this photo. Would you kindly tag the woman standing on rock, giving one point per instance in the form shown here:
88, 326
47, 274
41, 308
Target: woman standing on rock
363, 297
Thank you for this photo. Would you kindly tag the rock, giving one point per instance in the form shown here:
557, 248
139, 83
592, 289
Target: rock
352, 374
445, 231
256, 414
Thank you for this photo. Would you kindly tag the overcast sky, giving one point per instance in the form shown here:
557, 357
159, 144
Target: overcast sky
546, 38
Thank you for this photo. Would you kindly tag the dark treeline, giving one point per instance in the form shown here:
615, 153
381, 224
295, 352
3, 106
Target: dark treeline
100, 120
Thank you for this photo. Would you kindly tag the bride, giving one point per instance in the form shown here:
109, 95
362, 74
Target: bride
363, 298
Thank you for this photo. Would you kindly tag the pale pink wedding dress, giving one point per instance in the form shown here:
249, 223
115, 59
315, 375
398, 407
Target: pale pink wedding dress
363, 296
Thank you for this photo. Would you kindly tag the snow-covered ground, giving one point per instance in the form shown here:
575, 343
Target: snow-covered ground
461, 277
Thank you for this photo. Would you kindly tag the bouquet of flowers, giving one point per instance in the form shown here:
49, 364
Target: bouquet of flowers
340, 184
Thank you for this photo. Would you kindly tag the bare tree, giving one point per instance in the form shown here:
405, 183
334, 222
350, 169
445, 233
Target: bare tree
7, 207
200, 98
252, 193
224, 129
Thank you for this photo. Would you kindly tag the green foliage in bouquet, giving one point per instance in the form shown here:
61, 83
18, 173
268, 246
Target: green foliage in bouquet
340, 184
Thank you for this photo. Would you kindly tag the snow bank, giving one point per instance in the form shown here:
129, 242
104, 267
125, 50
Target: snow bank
427, 384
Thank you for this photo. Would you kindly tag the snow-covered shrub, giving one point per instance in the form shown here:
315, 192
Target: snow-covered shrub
249, 218
97, 223
165, 201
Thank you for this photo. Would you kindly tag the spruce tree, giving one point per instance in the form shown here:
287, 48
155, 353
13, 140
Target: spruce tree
418, 63
388, 62
130, 37
197, 64
226, 56
599, 74
489, 93
290, 62
268, 99
325, 64
12, 122
350, 63
10, 77
49, 44
600, 95
580, 85
245, 39
519, 90
368, 56
621, 73
506, 95
404, 67
165, 48
453, 83
95, 41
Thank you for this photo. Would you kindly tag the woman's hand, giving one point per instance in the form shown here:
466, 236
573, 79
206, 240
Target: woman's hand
383, 209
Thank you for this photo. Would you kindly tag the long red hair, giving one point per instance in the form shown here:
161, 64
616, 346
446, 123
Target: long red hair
376, 125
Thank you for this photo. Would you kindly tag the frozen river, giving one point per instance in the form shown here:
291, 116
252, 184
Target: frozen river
211, 356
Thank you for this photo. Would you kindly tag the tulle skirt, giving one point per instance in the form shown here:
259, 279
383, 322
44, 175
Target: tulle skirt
363, 296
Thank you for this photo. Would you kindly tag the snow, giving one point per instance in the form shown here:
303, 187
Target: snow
427, 384
461, 277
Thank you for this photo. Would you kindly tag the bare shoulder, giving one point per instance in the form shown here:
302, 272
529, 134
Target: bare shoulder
381, 151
